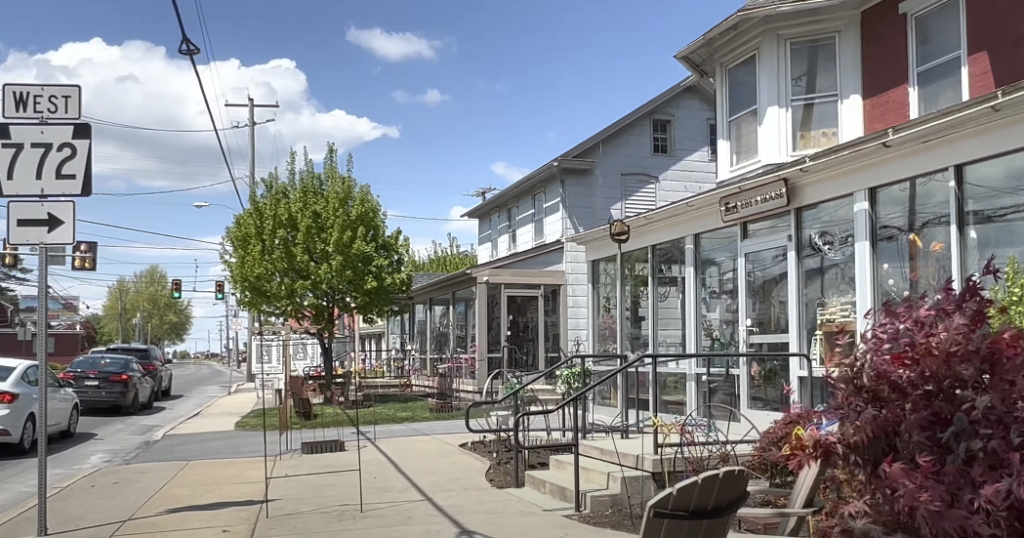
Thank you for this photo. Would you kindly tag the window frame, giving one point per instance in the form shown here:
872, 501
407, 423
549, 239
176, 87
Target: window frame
669, 139
757, 107
495, 224
915, 12
538, 217
712, 125
513, 227
789, 90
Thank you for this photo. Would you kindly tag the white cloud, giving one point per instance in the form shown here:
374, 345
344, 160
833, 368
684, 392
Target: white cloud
509, 172
393, 46
139, 83
431, 97
465, 229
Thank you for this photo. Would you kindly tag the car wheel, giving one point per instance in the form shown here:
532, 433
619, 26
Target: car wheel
150, 401
167, 393
132, 408
28, 437
72, 424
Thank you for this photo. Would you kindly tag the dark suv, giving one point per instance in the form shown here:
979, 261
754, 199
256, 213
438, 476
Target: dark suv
152, 361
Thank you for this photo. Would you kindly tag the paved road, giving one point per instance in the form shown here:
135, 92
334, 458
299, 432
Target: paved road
106, 438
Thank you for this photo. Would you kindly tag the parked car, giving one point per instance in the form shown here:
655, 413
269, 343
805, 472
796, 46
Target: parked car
19, 405
152, 361
109, 380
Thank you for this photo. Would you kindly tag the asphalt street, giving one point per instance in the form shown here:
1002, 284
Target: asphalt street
106, 438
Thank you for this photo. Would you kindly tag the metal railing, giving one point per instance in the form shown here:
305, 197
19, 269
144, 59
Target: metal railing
514, 395
635, 364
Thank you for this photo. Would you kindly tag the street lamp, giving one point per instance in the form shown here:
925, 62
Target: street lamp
200, 205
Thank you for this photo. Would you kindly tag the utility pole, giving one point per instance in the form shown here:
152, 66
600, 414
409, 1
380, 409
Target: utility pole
208, 346
220, 336
120, 317
227, 329
138, 328
252, 106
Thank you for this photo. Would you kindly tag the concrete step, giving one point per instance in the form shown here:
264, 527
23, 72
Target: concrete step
559, 486
548, 504
614, 478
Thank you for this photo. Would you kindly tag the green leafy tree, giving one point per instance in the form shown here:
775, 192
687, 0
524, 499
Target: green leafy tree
313, 245
441, 258
1008, 298
9, 279
147, 293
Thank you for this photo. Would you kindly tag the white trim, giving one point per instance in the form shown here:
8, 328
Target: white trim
513, 228
923, 7
837, 95
757, 107
543, 214
495, 225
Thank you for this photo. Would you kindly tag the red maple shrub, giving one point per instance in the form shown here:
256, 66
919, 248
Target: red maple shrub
931, 414
770, 458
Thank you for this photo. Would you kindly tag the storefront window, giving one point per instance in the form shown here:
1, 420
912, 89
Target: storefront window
636, 293
717, 272
420, 336
552, 324
672, 393
465, 321
993, 204
494, 326
829, 276
912, 237
606, 306
670, 264
441, 329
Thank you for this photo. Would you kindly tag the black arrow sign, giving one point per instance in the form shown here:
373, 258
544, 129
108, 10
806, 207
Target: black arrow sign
51, 223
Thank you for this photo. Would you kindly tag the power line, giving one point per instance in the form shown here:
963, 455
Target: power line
188, 48
108, 123
141, 231
168, 191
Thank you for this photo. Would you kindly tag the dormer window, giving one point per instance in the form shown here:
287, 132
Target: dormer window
661, 138
741, 109
813, 93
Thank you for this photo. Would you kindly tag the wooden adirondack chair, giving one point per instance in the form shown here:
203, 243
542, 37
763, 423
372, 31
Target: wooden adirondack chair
700, 507
788, 521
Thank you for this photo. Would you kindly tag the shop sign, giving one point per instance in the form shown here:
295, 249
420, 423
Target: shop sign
754, 201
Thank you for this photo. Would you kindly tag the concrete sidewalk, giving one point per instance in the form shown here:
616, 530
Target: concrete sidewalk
420, 486
222, 414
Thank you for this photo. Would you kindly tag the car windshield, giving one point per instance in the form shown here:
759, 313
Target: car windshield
99, 363
141, 354
5, 372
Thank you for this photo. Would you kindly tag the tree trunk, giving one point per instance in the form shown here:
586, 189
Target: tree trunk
327, 356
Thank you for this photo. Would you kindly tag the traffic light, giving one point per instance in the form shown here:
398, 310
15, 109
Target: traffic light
218, 290
176, 288
84, 256
10, 261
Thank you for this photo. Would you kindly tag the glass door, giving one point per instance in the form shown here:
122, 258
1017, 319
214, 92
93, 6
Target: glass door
764, 311
523, 331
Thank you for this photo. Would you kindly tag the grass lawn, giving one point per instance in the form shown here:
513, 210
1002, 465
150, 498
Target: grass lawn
387, 409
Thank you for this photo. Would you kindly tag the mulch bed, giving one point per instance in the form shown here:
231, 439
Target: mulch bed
499, 453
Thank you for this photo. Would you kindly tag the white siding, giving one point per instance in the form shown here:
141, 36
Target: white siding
524, 226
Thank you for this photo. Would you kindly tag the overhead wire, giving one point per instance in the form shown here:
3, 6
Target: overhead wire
189, 49
166, 191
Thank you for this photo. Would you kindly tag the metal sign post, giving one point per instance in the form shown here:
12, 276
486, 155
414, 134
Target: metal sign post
44, 378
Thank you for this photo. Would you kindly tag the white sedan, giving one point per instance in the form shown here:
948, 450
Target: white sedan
19, 405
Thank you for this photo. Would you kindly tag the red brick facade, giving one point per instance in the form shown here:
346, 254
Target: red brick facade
886, 60
995, 44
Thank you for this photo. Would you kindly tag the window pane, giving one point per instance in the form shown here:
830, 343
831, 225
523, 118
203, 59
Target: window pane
812, 67
829, 276
552, 323
771, 226
636, 293
912, 237
465, 322
939, 86
717, 274
538, 217
994, 207
494, 336
937, 33
742, 86
605, 295
815, 124
670, 279
743, 138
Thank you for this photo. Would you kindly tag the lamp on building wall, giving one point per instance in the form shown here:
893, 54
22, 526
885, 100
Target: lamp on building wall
618, 231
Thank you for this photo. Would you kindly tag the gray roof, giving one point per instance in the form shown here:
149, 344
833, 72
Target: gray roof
419, 279
755, 4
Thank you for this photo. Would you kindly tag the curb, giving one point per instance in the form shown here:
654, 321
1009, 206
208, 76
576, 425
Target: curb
168, 428
7, 516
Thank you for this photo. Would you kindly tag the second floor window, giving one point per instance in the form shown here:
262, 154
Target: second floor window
937, 58
513, 225
538, 218
813, 94
712, 141
741, 109
661, 140
495, 222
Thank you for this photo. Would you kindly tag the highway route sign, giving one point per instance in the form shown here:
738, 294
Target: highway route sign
45, 159
42, 222
42, 102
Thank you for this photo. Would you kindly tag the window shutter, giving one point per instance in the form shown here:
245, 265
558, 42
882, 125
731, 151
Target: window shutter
639, 194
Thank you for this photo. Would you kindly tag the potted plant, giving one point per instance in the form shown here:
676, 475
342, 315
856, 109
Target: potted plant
572, 379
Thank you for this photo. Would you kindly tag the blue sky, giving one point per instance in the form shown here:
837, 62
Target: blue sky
434, 99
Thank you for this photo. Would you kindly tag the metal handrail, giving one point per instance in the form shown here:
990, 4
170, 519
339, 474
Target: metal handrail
631, 363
